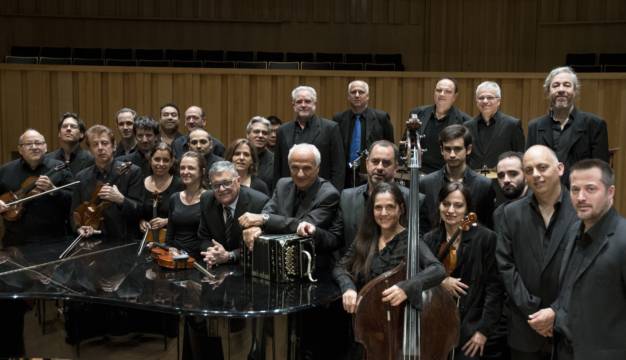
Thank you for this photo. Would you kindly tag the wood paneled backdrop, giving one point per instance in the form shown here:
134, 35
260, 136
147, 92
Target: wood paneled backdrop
432, 35
35, 96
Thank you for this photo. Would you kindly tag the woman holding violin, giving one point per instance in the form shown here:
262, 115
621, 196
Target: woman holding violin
379, 246
241, 153
468, 252
157, 189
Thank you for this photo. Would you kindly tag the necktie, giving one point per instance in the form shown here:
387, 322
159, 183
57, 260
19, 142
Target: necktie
228, 224
355, 144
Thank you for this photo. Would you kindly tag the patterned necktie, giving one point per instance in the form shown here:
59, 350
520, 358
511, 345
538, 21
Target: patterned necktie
355, 145
228, 224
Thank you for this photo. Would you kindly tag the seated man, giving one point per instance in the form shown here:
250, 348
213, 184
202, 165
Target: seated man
300, 203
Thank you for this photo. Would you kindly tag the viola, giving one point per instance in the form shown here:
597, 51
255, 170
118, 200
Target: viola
91, 213
447, 251
27, 188
171, 258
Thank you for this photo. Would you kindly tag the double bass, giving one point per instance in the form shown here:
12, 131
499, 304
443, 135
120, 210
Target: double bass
401, 332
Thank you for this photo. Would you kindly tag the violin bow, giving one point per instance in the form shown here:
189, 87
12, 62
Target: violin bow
24, 199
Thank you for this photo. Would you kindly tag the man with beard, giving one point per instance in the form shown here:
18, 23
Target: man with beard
146, 133
511, 183
195, 119
360, 126
532, 237
258, 130
572, 134
71, 133
168, 123
124, 119
455, 145
41, 221
435, 118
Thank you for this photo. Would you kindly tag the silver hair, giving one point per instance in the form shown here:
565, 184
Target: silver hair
307, 148
556, 71
258, 119
489, 85
222, 166
365, 85
308, 89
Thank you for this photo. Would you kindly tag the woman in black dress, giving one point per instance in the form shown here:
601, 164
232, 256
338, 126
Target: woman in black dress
184, 206
241, 153
474, 279
157, 189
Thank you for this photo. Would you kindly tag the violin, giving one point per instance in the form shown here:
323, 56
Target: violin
27, 188
171, 258
447, 251
157, 235
91, 213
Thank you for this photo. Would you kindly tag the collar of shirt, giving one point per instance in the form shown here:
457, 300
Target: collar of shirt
534, 204
103, 174
232, 206
483, 122
570, 118
598, 229
447, 178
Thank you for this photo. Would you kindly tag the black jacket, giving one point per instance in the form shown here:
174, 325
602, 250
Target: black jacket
507, 136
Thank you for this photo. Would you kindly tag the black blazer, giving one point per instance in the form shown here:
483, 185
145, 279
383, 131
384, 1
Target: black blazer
425, 112
507, 136
597, 308
480, 187
530, 276
588, 138
480, 309
212, 226
377, 127
325, 135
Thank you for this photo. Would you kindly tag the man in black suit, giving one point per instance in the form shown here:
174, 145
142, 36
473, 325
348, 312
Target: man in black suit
195, 118
71, 134
219, 230
360, 126
591, 307
493, 131
532, 238
124, 119
435, 118
572, 134
201, 142
455, 145
257, 132
146, 132
307, 127
510, 184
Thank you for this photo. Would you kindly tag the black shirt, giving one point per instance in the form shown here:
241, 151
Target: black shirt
485, 132
79, 158
163, 203
545, 232
182, 225
432, 160
557, 132
120, 221
265, 167
43, 217
138, 158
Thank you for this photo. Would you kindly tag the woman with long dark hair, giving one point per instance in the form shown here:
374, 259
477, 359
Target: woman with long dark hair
472, 274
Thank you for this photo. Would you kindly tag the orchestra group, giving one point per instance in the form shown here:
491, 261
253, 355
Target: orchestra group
541, 274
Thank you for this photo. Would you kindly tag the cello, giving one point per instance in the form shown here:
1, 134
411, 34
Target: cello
401, 332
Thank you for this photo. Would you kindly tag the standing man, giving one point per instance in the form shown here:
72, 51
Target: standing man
455, 145
307, 127
194, 119
532, 237
125, 118
435, 118
201, 141
493, 131
121, 187
360, 126
146, 133
275, 124
572, 134
591, 308
257, 131
511, 181
168, 123
71, 133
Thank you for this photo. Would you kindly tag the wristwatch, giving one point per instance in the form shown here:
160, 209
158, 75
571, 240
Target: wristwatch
231, 257
265, 217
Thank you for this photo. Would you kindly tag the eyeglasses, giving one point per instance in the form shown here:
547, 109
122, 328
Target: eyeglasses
488, 98
200, 141
226, 184
33, 144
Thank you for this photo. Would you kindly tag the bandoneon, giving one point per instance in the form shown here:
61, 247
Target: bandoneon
281, 258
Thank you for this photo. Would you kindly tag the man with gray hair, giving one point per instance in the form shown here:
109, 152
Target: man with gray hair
360, 126
307, 127
258, 131
493, 131
573, 134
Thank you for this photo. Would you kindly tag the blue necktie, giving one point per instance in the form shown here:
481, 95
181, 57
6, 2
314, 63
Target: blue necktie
355, 145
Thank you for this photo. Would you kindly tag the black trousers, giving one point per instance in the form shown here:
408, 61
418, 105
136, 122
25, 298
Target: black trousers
12, 329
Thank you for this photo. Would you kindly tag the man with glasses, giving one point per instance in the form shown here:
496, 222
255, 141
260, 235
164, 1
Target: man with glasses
194, 119
168, 123
435, 118
455, 145
71, 133
493, 131
41, 220
258, 130
146, 133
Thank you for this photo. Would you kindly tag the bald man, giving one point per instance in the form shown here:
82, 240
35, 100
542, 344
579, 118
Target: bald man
530, 250
194, 119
